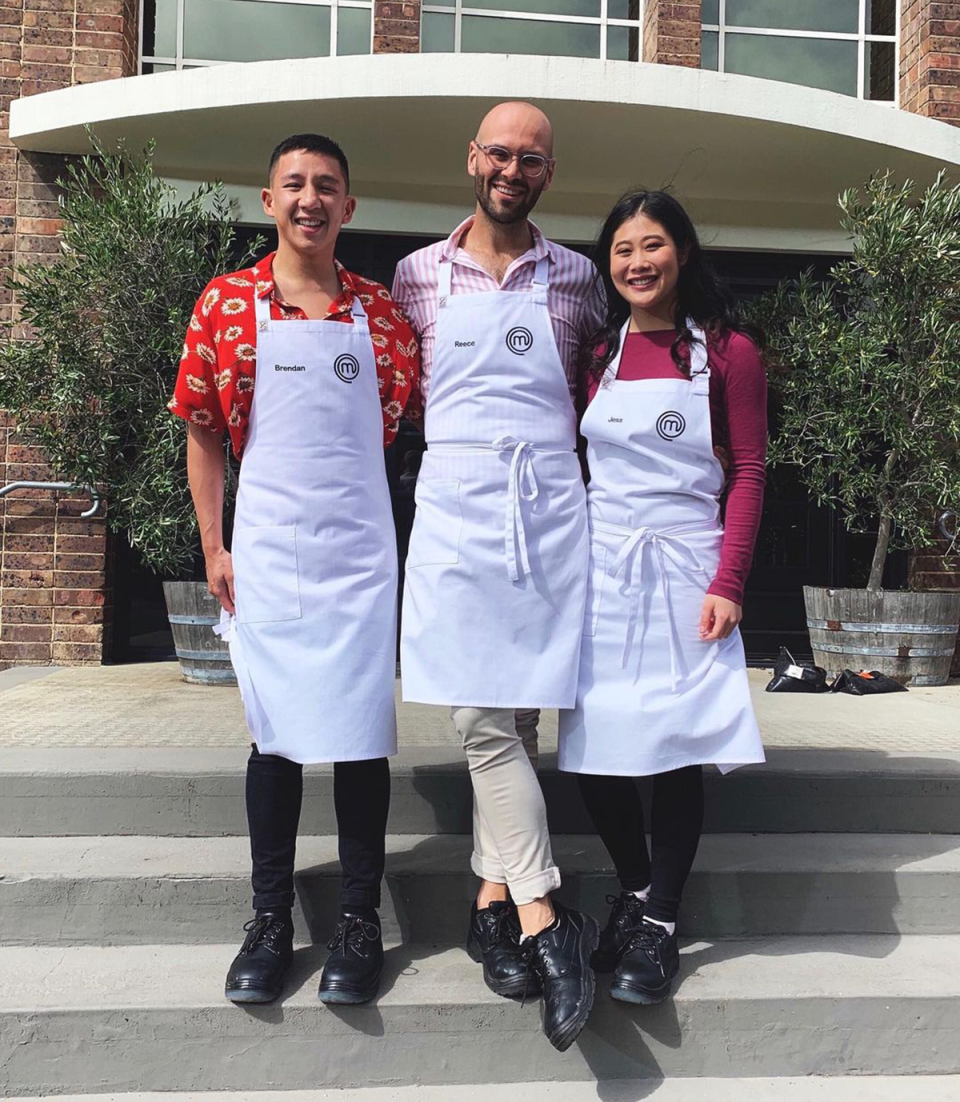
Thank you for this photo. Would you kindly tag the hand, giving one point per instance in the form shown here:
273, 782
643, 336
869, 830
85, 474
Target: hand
718, 618
220, 578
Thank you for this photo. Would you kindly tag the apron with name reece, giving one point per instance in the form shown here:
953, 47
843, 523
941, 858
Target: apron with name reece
495, 577
652, 695
313, 640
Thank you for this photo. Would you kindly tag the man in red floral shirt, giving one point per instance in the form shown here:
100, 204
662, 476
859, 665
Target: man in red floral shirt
308, 588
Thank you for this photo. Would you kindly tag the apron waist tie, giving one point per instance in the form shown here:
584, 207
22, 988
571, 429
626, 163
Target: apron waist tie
664, 545
521, 486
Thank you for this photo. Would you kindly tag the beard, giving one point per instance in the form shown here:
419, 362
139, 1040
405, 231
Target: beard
483, 188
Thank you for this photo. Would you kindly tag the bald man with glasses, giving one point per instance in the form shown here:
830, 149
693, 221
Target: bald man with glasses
496, 574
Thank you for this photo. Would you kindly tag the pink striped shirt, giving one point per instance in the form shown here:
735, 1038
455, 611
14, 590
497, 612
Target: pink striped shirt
572, 299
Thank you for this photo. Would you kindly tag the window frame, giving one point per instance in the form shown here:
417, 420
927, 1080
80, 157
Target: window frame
860, 36
179, 61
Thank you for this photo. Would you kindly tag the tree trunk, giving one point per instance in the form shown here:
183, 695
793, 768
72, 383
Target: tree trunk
880, 552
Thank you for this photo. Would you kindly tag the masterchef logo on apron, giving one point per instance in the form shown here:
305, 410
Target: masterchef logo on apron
519, 340
670, 425
347, 367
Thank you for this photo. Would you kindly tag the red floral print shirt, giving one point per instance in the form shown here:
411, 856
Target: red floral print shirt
217, 372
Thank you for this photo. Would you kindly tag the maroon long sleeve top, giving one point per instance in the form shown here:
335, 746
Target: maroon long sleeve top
738, 416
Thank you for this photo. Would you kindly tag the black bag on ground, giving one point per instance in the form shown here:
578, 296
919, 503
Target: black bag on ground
790, 677
866, 683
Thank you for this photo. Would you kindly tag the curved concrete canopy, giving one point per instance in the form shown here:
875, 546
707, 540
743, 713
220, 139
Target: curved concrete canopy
757, 160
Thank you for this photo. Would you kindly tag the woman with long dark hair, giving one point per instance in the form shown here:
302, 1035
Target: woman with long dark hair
672, 373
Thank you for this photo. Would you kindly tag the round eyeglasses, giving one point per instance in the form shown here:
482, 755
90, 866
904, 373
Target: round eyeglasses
531, 165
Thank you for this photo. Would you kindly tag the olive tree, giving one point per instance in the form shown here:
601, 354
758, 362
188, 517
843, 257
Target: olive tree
867, 366
105, 324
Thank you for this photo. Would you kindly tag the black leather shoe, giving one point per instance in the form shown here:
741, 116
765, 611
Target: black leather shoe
648, 966
560, 957
256, 975
352, 971
626, 914
494, 940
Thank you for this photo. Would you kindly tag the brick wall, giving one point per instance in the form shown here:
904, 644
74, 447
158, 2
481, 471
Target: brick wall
396, 26
930, 59
671, 33
54, 566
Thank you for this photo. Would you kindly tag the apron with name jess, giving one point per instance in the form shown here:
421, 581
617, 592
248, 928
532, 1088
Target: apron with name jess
313, 641
652, 695
495, 578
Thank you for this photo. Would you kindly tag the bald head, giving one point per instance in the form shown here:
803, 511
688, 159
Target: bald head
517, 125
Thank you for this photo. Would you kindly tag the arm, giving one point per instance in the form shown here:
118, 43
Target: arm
745, 419
205, 471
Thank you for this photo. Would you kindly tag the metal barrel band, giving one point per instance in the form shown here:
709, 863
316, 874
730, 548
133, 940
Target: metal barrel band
228, 677
885, 652
911, 629
178, 619
202, 655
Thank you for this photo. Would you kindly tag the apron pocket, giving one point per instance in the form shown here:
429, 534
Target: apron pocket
439, 521
267, 581
595, 578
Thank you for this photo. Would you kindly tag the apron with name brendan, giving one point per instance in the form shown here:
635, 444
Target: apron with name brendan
313, 640
653, 696
495, 577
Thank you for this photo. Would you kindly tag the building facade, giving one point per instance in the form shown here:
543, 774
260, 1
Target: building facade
757, 112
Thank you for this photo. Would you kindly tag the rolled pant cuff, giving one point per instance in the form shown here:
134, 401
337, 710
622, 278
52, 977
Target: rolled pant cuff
265, 901
527, 889
359, 898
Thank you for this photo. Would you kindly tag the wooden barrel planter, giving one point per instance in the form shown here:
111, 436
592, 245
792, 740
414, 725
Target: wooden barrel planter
910, 637
193, 611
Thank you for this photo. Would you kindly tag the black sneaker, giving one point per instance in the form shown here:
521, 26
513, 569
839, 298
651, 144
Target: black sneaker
648, 966
352, 971
560, 957
494, 940
256, 975
626, 914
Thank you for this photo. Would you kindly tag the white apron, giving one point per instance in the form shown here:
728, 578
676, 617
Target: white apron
652, 696
495, 578
314, 638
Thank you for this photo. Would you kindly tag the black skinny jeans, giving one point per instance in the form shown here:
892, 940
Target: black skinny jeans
361, 796
676, 822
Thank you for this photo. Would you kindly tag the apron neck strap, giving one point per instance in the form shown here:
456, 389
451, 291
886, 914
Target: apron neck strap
444, 280
357, 309
699, 361
541, 276
261, 309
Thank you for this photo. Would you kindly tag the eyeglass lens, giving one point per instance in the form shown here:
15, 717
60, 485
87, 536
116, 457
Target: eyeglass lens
530, 163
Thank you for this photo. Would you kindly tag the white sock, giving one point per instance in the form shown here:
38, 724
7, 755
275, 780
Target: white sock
670, 927
644, 895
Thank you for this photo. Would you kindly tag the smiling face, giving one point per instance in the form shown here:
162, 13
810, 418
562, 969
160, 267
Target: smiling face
645, 265
308, 199
505, 194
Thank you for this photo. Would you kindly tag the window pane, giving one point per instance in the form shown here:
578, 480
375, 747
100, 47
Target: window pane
160, 28
153, 67
542, 7
623, 43
436, 33
879, 71
816, 62
623, 9
244, 30
709, 49
710, 11
480, 35
795, 15
353, 31
882, 17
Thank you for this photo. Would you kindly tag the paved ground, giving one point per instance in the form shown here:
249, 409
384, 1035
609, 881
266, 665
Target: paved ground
148, 705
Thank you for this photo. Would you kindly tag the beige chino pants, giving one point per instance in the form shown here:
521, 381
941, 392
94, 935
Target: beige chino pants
511, 843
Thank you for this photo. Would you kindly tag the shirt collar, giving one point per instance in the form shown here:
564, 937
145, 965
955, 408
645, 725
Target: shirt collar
541, 246
263, 275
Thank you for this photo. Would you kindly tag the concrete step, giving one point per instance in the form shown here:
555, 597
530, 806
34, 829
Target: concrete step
854, 1088
154, 1018
136, 890
184, 792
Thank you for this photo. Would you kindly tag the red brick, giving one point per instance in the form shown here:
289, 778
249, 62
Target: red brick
77, 633
28, 543
76, 615
75, 654
27, 614
26, 579
391, 44
79, 562
83, 598
26, 652
14, 598
27, 633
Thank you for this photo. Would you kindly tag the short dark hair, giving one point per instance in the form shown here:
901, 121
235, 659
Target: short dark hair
311, 143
